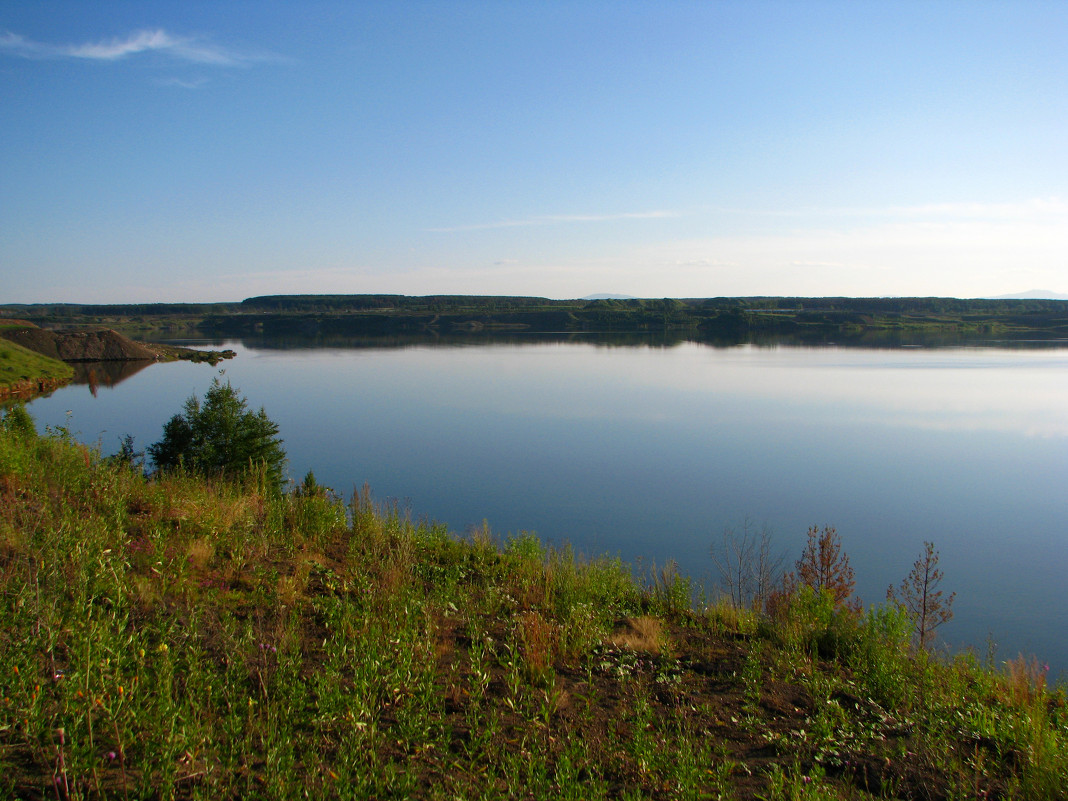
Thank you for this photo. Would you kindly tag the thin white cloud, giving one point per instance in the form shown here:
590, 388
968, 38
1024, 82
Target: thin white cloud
181, 48
184, 83
556, 219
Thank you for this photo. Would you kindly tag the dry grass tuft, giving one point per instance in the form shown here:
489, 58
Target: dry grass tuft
539, 640
199, 553
641, 634
1026, 680
289, 590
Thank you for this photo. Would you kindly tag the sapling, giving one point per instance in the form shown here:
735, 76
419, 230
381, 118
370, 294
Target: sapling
824, 567
919, 596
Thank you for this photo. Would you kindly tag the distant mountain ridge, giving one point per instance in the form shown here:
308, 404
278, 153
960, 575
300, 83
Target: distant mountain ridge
1032, 294
608, 296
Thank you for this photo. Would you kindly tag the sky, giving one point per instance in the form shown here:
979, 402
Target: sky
212, 151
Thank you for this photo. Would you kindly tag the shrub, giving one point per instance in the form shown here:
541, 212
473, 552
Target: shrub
220, 437
19, 422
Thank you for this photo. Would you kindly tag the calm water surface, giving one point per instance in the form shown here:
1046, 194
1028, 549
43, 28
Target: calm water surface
650, 452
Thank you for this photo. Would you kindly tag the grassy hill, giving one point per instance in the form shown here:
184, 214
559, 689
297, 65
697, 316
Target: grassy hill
20, 366
173, 637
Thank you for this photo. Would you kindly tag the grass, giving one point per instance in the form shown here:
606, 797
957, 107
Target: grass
180, 638
19, 364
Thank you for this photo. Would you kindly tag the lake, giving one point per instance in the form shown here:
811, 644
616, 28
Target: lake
649, 451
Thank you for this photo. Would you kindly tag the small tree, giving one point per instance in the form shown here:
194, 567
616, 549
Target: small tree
220, 437
823, 566
920, 597
749, 571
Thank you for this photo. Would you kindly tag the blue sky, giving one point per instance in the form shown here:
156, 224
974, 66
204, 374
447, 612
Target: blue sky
194, 151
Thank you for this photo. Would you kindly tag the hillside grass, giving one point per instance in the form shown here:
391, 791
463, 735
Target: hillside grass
21, 364
174, 637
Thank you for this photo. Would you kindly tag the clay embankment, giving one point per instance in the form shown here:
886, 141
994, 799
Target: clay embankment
102, 346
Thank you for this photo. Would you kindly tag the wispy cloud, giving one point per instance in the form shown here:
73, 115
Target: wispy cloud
557, 219
184, 83
189, 49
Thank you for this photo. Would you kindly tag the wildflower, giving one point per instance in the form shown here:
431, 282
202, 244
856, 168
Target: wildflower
112, 756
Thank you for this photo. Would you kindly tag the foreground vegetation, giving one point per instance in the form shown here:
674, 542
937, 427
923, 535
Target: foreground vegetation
183, 637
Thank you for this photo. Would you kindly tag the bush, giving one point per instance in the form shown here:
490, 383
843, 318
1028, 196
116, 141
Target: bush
220, 437
18, 421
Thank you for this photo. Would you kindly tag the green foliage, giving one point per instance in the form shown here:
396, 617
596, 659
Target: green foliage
881, 656
816, 624
221, 437
18, 422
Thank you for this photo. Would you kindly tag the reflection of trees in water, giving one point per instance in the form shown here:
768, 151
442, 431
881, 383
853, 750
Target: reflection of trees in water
107, 373
872, 339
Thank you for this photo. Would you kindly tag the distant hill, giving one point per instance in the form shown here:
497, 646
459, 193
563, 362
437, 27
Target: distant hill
1032, 294
608, 296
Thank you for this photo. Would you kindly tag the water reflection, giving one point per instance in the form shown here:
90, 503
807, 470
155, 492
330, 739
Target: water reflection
868, 340
108, 374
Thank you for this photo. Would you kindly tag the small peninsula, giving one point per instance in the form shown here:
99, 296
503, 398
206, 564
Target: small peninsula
35, 360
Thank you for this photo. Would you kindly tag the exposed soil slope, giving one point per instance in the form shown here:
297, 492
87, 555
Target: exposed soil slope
79, 346
102, 345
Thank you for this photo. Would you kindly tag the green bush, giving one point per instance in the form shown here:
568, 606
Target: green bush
220, 437
18, 421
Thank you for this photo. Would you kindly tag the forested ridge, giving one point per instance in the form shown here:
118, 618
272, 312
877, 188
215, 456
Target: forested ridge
687, 318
